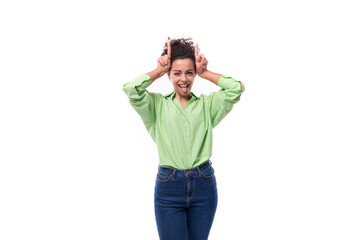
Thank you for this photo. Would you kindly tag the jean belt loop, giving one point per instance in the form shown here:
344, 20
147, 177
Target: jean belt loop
173, 174
210, 162
200, 173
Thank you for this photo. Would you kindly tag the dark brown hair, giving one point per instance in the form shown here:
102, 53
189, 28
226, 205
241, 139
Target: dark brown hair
180, 48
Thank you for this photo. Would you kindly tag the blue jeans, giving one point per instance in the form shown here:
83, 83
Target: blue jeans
185, 202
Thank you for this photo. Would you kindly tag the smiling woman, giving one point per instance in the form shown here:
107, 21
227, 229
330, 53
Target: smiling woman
182, 70
182, 76
181, 123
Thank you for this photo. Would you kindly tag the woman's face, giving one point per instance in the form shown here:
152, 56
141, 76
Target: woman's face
182, 73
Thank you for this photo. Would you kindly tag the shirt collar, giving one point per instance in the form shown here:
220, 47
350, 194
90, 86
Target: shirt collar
172, 95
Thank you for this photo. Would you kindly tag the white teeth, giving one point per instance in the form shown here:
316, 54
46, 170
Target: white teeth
183, 85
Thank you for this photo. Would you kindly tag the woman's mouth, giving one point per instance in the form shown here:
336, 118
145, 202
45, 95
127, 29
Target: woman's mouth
184, 87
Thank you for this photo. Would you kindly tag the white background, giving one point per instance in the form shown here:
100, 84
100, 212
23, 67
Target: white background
78, 163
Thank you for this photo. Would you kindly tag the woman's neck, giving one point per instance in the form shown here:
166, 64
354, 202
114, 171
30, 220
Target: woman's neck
181, 98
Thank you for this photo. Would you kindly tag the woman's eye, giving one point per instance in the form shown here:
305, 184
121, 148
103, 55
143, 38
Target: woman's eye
190, 73
176, 74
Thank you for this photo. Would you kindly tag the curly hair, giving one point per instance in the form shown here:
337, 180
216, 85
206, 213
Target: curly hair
180, 48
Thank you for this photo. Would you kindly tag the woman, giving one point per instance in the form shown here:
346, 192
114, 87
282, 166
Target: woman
181, 124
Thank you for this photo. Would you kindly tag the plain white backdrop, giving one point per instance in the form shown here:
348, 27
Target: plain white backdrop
78, 163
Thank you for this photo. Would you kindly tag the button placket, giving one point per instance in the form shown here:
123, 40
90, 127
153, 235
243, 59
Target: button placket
187, 135
186, 126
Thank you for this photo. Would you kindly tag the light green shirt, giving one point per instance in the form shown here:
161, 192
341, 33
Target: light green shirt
183, 137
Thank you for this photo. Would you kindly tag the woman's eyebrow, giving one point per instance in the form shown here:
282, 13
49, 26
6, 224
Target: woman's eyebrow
186, 70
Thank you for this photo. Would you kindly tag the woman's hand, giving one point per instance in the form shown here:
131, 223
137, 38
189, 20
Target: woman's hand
200, 61
164, 63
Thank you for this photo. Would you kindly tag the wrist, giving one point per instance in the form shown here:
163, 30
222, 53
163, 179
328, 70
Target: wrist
211, 76
155, 74
203, 74
159, 72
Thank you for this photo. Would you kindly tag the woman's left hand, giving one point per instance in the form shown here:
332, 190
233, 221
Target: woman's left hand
200, 61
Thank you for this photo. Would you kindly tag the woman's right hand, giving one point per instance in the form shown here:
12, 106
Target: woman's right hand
200, 61
164, 63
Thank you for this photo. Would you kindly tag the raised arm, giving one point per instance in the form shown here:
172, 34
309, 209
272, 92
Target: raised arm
201, 66
163, 65
220, 103
140, 99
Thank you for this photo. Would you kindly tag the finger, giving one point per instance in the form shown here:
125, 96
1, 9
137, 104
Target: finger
204, 58
165, 59
206, 61
196, 50
200, 59
169, 49
197, 59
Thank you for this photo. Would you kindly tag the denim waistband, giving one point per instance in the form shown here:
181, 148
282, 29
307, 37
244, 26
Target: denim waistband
174, 172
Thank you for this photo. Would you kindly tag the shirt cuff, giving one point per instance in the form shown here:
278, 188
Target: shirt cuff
137, 86
142, 82
228, 82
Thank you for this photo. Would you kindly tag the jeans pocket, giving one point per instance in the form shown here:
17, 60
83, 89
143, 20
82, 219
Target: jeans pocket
163, 177
208, 172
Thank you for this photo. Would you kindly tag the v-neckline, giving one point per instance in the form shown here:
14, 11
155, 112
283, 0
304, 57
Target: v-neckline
179, 103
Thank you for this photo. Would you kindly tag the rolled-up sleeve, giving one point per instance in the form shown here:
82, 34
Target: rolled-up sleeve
221, 102
143, 101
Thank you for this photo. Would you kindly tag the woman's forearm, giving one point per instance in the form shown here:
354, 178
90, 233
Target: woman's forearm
211, 76
155, 74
